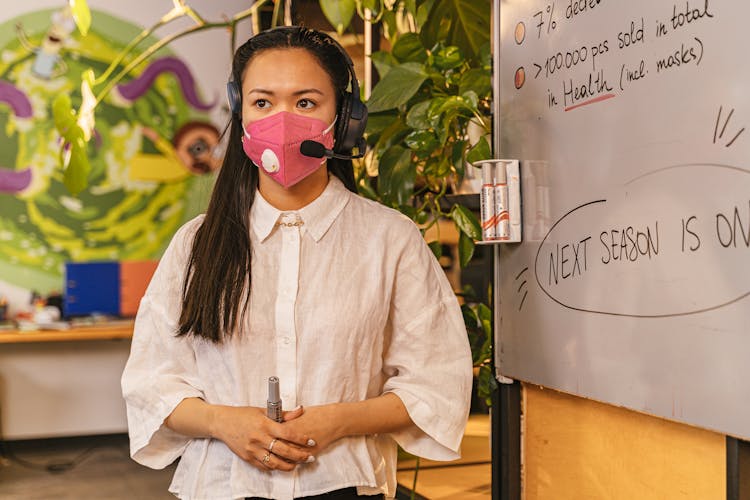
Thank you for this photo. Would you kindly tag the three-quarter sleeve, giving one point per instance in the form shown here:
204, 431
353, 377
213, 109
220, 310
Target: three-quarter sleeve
427, 360
161, 370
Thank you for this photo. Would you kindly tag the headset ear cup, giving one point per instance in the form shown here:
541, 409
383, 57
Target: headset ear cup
357, 122
342, 124
352, 123
234, 98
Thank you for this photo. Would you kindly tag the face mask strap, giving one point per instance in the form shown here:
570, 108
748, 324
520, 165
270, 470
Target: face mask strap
331, 125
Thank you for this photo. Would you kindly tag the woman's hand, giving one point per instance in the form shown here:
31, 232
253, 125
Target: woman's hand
327, 423
260, 441
266, 444
322, 423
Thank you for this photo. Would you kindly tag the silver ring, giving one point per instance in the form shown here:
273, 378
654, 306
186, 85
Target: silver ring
267, 458
270, 446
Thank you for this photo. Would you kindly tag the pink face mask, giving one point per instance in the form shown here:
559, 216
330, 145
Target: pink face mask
273, 143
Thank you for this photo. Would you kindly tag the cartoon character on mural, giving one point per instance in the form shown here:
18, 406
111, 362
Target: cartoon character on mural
48, 62
152, 153
194, 150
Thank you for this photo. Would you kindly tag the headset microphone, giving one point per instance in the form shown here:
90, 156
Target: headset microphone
315, 149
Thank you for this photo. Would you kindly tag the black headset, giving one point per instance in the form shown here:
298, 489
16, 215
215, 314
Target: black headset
352, 113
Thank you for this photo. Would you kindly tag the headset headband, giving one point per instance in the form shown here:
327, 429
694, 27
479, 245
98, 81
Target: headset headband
352, 111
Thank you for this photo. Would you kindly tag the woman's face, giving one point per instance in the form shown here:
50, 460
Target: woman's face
287, 80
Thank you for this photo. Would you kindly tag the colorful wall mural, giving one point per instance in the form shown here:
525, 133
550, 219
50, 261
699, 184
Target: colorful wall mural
154, 150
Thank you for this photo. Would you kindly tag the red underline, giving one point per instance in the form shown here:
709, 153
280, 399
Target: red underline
591, 101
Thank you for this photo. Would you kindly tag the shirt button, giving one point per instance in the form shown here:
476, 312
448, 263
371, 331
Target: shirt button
286, 340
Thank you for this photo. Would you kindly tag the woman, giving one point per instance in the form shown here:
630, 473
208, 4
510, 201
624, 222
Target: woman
346, 305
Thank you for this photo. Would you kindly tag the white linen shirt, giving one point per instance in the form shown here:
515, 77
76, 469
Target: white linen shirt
345, 307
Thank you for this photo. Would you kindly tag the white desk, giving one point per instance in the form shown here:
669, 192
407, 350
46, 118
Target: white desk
63, 383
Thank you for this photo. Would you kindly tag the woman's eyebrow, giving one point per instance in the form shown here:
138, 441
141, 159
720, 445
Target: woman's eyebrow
296, 92
307, 91
260, 91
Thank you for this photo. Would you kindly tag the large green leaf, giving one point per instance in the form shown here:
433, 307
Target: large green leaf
471, 320
486, 384
422, 142
339, 13
409, 48
456, 103
391, 136
465, 249
384, 62
434, 110
390, 24
463, 23
423, 10
65, 118
485, 315
458, 159
437, 248
485, 56
443, 167
366, 190
466, 222
77, 171
396, 175
376, 123
443, 112
476, 80
397, 87
480, 151
75, 160
438, 79
410, 6
448, 57
416, 118
410, 211
81, 15
476, 331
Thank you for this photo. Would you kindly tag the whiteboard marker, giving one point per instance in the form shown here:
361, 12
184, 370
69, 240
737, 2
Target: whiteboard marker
502, 218
487, 203
514, 199
273, 404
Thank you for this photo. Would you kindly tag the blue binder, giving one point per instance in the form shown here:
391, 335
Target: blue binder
92, 288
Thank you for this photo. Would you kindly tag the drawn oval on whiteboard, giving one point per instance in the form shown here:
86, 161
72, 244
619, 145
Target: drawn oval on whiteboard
663, 244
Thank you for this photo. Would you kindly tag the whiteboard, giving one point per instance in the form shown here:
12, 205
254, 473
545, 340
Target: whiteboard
631, 285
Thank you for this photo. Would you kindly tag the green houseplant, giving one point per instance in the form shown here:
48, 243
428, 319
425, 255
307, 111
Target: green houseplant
435, 85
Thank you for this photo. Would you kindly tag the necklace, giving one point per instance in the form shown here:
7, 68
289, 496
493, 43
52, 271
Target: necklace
296, 223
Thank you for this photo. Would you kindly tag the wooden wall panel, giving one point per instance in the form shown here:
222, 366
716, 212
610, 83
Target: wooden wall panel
577, 449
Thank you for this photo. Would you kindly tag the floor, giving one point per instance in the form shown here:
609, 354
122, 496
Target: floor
468, 478
105, 467
82, 468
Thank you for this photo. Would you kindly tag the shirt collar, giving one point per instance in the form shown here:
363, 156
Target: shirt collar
317, 216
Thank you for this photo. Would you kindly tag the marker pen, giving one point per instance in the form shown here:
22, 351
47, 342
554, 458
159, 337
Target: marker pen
487, 203
514, 199
273, 404
502, 218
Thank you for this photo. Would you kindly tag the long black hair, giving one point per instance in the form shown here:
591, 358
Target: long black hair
216, 291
